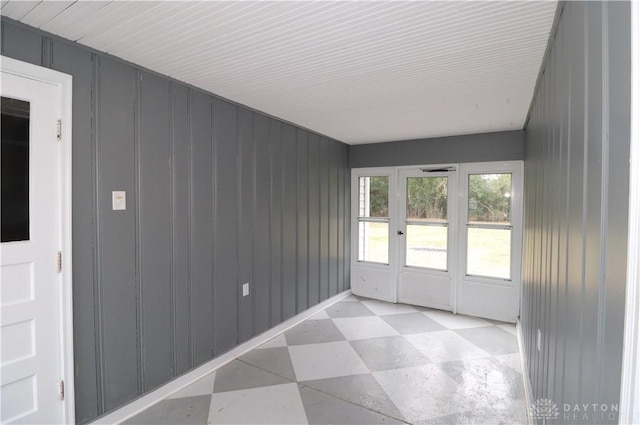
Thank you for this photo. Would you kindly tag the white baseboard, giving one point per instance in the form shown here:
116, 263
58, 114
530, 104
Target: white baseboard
159, 394
528, 392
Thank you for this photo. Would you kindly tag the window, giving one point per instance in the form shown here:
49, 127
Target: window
15, 169
373, 219
427, 224
489, 225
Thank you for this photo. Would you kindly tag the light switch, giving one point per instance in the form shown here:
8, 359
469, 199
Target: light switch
119, 200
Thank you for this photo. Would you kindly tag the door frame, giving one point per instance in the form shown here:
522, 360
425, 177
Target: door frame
376, 274
630, 382
453, 230
64, 83
378, 271
516, 169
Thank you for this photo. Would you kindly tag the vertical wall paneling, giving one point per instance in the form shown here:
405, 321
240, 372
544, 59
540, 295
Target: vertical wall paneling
154, 218
289, 216
79, 63
497, 146
579, 104
217, 195
617, 42
302, 220
341, 220
116, 153
246, 215
333, 218
595, 200
563, 169
47, 52
314, 219
262, 220
226, 224
22, 44
324, 218
275, 141
201, 227
180, 227
576, 203
97, 274
346, 196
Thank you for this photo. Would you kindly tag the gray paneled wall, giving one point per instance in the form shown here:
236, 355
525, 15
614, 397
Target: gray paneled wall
498, 146
576, 203
218, 195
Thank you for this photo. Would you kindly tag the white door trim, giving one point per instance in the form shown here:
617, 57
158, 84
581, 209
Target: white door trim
64, 83
383, 281
378, 275
516, 169
630, 385
452, 242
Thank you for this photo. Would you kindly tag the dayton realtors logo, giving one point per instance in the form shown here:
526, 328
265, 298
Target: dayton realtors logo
546, 410
593, 412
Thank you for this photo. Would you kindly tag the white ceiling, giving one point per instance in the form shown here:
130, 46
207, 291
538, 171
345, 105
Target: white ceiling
356, 71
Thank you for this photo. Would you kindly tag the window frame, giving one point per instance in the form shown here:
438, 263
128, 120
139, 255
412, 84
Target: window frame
364, 219
487, 225
427, 222
515, 168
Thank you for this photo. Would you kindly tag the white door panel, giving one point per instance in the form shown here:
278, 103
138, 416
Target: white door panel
426, 237
371, 282
30, 318
498, 302
427, 290
490, 241
373, 252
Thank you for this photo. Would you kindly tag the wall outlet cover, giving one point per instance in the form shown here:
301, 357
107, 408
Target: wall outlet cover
245, 289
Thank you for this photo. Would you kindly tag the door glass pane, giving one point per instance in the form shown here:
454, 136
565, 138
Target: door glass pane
427, 246
490, 198
427, 198
373, 242
489, 252
373, 199
15, 169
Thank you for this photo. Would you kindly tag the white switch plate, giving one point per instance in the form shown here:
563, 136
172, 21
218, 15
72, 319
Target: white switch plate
119, 200
539, 340
245, 289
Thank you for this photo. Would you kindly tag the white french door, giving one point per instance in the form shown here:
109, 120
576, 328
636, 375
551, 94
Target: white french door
447, 237
490, 240
426, 236
373, 252
34, 321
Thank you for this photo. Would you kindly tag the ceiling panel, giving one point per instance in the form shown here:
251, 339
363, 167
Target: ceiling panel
356, 71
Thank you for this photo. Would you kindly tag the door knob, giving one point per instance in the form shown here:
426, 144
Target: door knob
400, 232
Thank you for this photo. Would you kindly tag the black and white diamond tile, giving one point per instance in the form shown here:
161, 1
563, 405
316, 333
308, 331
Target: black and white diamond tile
322, 408
412, 323
364, 362
328, 360
362, 390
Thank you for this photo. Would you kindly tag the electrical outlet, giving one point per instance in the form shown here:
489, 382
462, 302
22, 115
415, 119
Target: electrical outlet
245, 289
539, 340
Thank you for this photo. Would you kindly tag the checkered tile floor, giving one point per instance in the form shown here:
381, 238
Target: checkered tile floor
363, 362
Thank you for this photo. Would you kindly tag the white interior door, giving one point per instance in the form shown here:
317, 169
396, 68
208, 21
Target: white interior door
31, 363
427, 237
